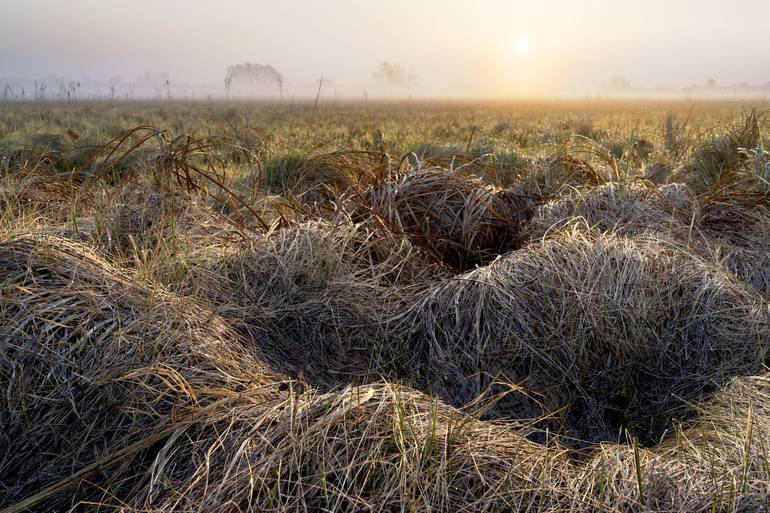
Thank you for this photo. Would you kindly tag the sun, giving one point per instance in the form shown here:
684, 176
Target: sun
521, 47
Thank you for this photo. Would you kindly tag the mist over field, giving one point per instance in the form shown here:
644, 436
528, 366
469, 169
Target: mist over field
493, 48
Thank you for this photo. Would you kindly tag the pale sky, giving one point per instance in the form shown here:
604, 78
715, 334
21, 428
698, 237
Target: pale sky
487, 47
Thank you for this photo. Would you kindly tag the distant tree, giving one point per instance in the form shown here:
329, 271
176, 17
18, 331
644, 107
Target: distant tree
711, 83
620, 83
254, 78
393, 74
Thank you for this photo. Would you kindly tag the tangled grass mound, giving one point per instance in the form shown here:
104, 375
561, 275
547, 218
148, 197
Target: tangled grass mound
327, 289
319, 177
140, 219
117, 395
604, 333
717, 463
547, 177
96, 366
729, 226
628, 208
374, 448
738, 225
456, 217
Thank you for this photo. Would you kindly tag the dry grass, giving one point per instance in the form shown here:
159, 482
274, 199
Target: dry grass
628, 208
454, 216
722, 154
95, 363
718, 463
321, 176
728, 227
191, 424
113, 396
510, 319
607, 334
329, 289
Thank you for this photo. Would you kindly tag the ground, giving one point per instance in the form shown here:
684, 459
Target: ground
527, 306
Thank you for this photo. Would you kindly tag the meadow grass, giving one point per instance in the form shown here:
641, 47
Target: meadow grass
396, 306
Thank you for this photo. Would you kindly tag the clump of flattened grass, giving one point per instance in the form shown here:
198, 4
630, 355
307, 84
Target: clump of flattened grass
546, 177
607, 333
373, 448
737, 223
140, 216
319, 177
728, 227
454, 216
370, 448
718, 462
96, 362
628, 208
328, 289
496, 167
297, 261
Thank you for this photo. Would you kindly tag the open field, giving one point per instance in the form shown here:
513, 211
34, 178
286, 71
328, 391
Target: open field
406, 306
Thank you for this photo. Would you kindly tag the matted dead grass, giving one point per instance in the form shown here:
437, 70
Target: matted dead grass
95, 363
628, 208
455, 216
607, 334
328, 289
386, 335
728, 227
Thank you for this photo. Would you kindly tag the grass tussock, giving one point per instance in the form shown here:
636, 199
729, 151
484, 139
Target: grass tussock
608, 334
630, 208
94, 363
716, 463
722, 155
454, 216
328, 289
320, 177
729, 228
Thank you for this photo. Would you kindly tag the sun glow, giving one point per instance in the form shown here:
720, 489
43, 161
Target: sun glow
521, 47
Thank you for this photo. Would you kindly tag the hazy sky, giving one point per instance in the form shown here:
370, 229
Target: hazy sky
480, 46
